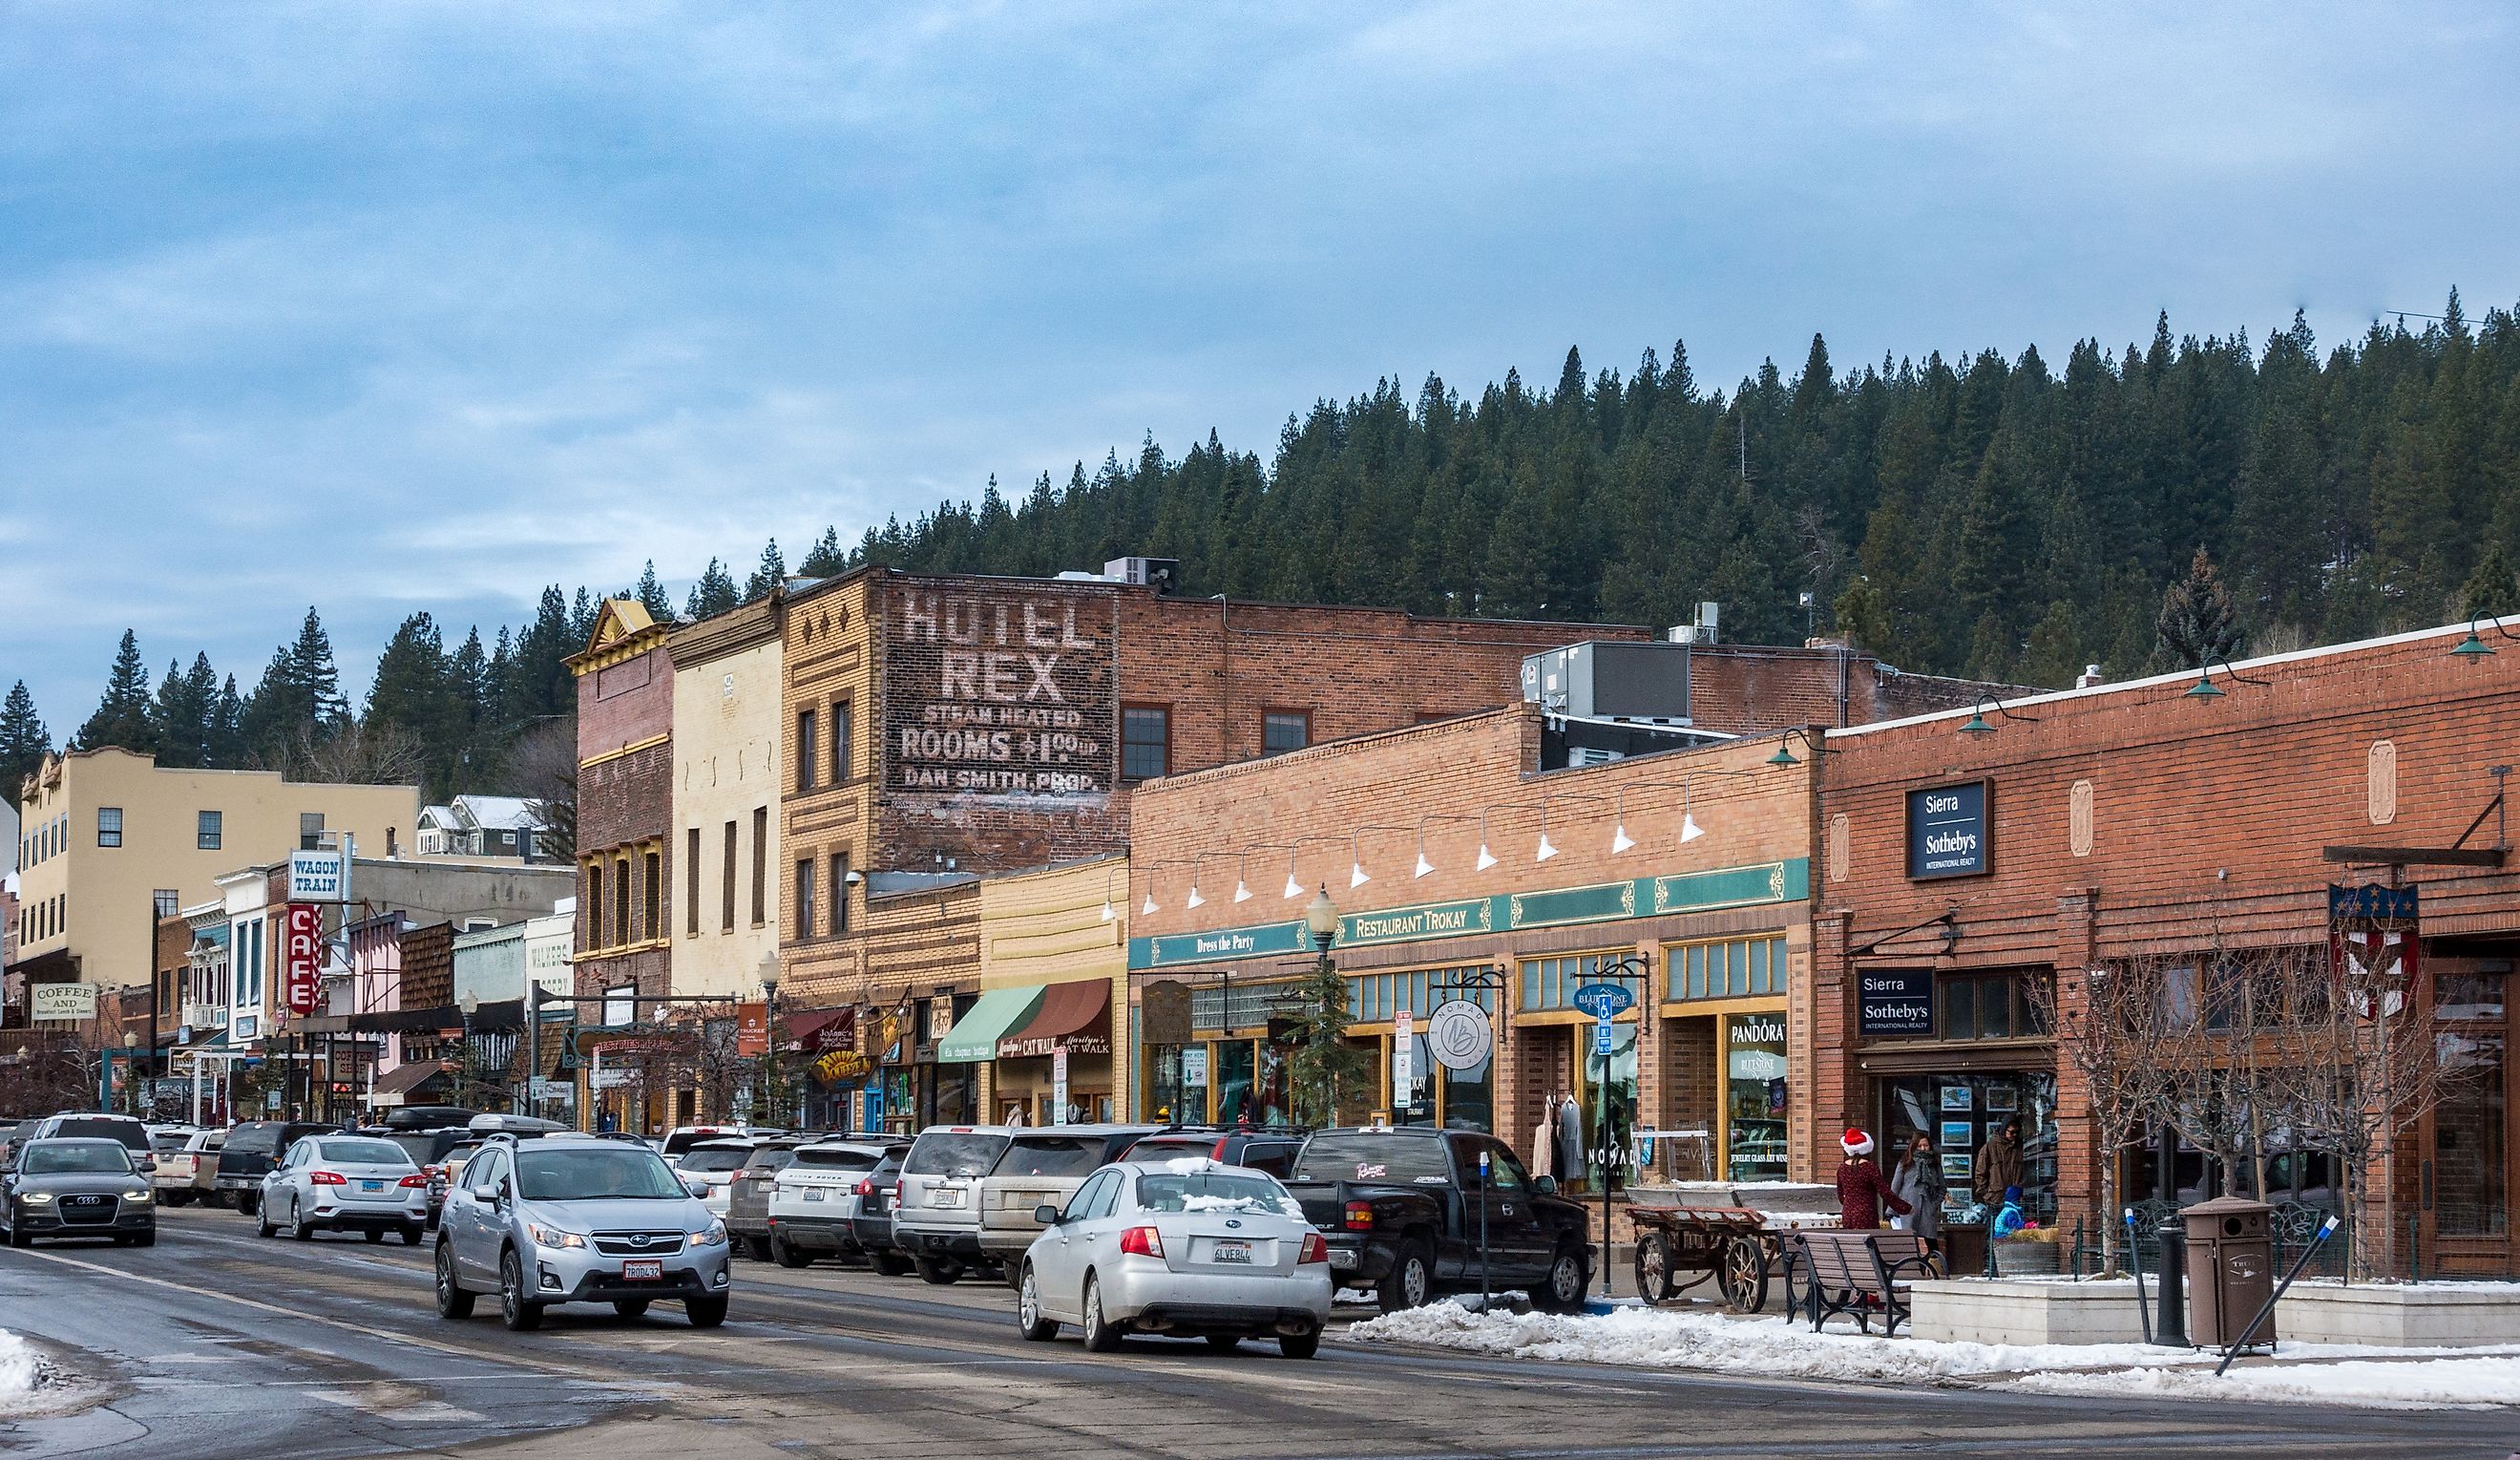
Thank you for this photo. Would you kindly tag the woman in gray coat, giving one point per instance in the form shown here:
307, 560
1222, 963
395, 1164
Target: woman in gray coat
1919, 1182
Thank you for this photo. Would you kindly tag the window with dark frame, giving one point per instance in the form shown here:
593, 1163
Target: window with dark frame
760, 867
310, 829
809, 742
595, 906
692, 883
1146, 740
109, 826
1986, 1006
804, 897
654, 924
841, 892
842, 743
209, 827
1284, 730
621, 924
168, 900
726, 894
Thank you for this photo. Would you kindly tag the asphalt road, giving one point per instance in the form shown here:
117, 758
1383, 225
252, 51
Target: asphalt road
216, 1344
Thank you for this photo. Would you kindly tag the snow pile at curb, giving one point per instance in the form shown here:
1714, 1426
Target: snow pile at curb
1780, 1348
2461, 1382
1666, 1339
20, 1372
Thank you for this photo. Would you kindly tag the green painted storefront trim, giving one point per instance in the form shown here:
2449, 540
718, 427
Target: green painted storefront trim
1788, 881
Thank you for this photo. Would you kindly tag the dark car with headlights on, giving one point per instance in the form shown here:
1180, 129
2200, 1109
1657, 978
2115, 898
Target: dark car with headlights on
81, 1187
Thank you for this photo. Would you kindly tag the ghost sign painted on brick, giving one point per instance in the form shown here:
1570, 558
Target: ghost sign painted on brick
1000, 692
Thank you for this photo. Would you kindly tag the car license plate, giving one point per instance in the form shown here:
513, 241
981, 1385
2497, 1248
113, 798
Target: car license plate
813, 1195
648, 1270
1231, 1252
372, 1186
948, 1199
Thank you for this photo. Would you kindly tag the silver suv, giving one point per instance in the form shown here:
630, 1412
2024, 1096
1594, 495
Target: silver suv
569, 1219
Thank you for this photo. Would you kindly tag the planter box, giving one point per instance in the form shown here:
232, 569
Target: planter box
1998, 1311
2402, 1315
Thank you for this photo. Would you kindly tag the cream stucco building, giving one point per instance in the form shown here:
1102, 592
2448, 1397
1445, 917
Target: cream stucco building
108, 841
726, 734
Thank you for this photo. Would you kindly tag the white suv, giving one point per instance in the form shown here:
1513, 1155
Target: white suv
814, 1200
936, 1217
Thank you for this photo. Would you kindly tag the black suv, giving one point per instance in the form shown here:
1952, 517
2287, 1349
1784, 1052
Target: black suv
253, 1146
1270, 1151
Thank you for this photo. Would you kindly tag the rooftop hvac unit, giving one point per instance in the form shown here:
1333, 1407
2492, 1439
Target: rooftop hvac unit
1610, 679
1163, 574
1703, 631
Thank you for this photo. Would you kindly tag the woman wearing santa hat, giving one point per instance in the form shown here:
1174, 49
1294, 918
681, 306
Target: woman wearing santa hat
1861, 1190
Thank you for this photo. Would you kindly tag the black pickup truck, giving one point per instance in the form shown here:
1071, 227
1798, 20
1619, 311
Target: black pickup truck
1400, 1208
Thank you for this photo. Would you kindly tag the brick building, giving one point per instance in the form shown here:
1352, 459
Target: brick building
625, 781
1968, 863
1681, 875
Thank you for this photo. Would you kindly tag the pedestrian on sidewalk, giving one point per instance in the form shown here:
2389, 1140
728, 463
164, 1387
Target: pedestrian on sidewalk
1997, 1166
1918, 1181
1861, 1190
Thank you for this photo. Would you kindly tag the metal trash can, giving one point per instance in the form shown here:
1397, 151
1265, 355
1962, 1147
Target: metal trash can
2231, 1269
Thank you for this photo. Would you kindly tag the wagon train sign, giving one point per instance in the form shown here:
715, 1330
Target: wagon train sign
1002, 693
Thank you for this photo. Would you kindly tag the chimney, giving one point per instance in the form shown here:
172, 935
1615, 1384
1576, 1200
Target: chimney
2089, 676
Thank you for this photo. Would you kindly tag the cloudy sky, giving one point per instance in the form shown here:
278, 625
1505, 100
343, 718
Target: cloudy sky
389, 306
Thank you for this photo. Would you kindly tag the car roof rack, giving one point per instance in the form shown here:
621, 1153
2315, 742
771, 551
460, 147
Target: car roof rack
614, 1135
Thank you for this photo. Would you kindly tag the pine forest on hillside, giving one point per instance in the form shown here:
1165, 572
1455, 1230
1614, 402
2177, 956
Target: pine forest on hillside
2140, 507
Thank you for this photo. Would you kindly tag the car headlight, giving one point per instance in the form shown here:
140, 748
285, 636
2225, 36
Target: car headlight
136, 1196
35, 1198
553, 1236
711, 1235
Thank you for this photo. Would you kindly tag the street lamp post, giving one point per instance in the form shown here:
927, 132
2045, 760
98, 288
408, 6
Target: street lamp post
770, 1093
468, 1005
1321, 920
131, 1069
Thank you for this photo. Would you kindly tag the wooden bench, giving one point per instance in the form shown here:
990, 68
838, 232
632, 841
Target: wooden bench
1860, 1274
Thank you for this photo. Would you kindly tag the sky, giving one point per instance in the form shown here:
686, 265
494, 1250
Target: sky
424, 305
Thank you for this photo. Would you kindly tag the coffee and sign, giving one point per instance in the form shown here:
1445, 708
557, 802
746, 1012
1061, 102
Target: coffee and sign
1895, 1001
1949, 831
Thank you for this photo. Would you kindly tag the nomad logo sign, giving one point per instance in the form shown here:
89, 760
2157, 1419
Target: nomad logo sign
998, 692
1947, 832
1895, 1001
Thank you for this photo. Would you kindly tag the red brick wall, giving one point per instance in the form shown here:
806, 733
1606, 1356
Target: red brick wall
625, 800
2206, 821
619, 705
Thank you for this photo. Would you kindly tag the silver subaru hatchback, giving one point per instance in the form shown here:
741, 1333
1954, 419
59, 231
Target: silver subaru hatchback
569, 1219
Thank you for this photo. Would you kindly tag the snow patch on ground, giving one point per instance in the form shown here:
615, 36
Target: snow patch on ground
19, 1372
1777, 1347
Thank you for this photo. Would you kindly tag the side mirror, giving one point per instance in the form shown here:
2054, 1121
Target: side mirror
148, 1163
1544, 1186
698, 1186
1046, 1215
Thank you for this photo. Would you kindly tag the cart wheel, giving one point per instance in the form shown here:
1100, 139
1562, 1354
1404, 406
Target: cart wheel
1743, 1275
1653, 1266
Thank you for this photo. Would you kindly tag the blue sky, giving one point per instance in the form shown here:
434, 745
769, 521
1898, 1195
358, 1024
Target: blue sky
424, 305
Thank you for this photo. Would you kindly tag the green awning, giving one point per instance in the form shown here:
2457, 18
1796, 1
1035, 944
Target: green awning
974, 1036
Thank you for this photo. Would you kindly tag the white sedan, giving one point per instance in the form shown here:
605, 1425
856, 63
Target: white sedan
1189, 1247
345, 1183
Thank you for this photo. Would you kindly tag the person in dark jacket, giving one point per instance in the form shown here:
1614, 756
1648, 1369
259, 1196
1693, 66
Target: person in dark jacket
1861, 1190
1997, 1166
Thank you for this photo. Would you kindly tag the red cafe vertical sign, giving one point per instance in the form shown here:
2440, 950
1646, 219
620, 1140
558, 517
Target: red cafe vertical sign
301, 956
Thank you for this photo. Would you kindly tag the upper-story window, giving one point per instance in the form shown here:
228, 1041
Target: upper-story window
209, 829
1284, 730
842, 742
1146, 740
109, 826
310, 829
809, 740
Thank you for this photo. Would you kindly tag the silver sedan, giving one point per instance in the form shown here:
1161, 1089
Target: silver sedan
1189, 1247
345, 1183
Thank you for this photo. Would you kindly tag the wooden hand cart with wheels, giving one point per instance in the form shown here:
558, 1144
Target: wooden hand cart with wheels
1733, 1245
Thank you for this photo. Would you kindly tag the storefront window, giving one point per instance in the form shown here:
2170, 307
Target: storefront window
1960, 1112
1619, 1069
1359, 1098
1165, 1099
1469, 1097
1754, 1097
1235, 1071
1742, 968
1551, 983
1419, 1106
2469, 1132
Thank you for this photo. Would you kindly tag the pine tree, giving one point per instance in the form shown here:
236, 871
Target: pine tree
313, 679
2493, 588
773, 570
2197, 625
827, 559
227, 727
24, 741
123, 718
415, 696
714, 594
652, 595
185, 714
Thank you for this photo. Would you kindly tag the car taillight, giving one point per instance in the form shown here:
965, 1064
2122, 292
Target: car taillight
1360, 1216
1315, 1250
865, 1186
1145, 1241
327, 1178
415, 1181
1218, 1154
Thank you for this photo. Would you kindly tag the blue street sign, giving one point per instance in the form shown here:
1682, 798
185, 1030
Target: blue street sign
1602, 1038
1602, 1000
